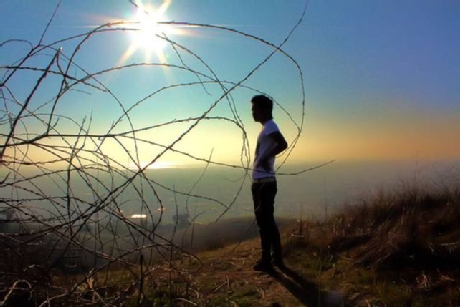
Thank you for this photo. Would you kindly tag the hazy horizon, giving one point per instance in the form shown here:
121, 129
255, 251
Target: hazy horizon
226, 191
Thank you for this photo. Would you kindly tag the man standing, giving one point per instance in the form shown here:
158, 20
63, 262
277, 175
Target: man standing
270, 142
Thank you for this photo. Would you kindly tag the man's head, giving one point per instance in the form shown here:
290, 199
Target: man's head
262, 108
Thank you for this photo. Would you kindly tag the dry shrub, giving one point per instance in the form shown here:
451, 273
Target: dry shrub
414, 227
71, 175
23, 267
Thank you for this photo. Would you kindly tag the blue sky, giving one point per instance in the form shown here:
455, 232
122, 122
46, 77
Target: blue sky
380, 77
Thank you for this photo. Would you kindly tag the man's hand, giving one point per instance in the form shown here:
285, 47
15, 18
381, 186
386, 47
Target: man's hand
281, 144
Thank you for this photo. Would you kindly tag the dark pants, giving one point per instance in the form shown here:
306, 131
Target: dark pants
263, 195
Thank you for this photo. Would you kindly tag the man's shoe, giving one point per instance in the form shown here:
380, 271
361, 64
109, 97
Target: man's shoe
278, 263
263, 266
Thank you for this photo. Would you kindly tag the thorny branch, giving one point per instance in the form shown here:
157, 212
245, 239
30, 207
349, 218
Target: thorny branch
64, 181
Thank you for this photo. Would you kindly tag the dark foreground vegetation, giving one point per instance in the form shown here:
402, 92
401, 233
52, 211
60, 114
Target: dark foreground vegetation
398, 249
392, 249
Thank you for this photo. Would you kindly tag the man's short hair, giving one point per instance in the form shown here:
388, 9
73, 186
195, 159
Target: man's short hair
263, 102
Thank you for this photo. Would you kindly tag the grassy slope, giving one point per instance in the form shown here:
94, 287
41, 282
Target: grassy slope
401, 249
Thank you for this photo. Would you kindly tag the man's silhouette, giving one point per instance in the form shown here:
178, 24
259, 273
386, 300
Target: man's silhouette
270, 142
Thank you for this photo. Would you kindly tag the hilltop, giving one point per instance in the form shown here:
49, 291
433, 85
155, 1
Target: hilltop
393, 249
397, 248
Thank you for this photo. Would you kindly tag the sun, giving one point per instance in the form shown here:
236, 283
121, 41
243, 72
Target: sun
147, 32
149, 35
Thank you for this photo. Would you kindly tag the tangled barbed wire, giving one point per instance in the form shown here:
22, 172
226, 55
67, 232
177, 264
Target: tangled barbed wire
64, 180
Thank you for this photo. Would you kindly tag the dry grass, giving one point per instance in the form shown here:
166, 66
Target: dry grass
413, 227
396, 249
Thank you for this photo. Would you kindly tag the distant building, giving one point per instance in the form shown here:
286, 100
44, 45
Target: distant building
6, 215
140, 219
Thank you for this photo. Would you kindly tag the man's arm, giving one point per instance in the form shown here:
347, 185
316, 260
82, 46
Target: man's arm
280, 141
281, 145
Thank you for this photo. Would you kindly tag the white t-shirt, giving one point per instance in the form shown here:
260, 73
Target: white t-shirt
264, 145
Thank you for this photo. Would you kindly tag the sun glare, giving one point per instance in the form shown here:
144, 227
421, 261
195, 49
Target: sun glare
148, 35
156, 165
162, 164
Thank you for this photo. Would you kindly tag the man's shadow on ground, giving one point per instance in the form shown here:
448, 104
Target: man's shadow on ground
306, 291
